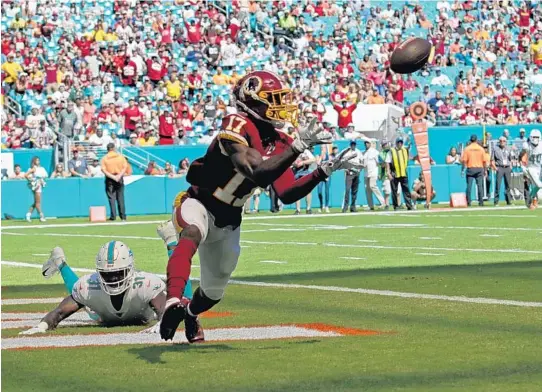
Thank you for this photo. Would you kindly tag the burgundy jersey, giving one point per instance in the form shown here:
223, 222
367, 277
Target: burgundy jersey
213, 178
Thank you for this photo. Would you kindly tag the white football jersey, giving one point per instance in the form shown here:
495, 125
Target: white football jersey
535, 156
135, 309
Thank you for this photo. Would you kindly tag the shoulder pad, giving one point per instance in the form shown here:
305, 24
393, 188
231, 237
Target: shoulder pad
236, 128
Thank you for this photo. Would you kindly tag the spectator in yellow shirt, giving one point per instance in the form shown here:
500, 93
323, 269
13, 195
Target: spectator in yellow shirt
110, 35
220, 79
18, 23
173, 87
234, 78
98, 34
12, 70
147, 140
536, 51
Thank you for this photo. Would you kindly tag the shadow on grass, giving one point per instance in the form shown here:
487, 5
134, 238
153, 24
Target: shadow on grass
153, 354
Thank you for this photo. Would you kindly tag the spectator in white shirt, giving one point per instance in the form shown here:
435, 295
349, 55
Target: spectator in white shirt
208, 137
536, 77
331, 54
441, 80
99, 139
371, 161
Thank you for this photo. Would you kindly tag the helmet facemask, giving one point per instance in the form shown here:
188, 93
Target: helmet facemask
279, 106
115, 282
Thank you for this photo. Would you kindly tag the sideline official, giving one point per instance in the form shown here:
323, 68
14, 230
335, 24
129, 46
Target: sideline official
114, 167
475, 161
396, 170
502, 165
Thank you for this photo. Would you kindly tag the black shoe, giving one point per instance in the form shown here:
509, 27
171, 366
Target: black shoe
192, 327
353, 209
309, 212
173, 315
297, 212
112, 219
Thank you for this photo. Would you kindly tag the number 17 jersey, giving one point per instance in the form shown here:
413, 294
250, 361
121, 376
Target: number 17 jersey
215, 181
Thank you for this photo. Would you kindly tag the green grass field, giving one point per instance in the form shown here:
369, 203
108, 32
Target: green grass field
456, 298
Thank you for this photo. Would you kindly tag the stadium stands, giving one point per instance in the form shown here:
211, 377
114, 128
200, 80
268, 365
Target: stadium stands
101, 54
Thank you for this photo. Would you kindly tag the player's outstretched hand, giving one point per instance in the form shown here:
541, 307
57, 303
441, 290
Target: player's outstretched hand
154, 329
40, 328
346, 160
311, 136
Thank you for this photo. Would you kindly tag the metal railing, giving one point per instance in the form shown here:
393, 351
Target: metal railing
13, 106
140, 157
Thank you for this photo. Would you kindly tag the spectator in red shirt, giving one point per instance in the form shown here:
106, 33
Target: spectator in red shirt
195, 83
193, 31
410, 84
128, 73
524, 19
344, 69
155, 70
337, 96
185, 121
166, 129
345, 114
396, 87
469, 118
131, 117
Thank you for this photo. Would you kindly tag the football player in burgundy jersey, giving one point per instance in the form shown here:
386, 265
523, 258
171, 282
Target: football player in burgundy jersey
249, 152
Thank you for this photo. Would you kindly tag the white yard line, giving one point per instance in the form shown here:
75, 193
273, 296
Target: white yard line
332, 244
40, 254
274, 262
386, 293
490, 235
430, 238
473, 250
371, 241
429, 254
112, 236
211, 335
29, 301
271, 217
352, 258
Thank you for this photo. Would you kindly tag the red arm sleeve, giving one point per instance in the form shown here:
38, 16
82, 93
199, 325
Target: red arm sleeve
290, 190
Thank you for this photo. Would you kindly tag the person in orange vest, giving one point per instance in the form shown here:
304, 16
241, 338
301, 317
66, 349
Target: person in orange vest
474, 163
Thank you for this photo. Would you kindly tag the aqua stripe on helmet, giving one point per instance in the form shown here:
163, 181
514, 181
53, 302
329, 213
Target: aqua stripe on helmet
111, 253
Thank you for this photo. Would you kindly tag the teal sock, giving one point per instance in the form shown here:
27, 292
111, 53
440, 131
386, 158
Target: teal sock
188, 288
534, 191
69, 277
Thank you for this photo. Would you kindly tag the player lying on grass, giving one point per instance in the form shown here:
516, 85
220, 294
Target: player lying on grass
116, 294
249, 152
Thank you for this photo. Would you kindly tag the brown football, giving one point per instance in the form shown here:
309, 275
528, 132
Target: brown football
411, 55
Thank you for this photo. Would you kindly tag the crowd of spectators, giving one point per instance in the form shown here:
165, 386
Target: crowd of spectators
160, 72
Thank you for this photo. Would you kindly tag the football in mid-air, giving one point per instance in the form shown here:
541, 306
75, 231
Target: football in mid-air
411, 55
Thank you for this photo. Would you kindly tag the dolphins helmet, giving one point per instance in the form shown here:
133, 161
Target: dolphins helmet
115, 267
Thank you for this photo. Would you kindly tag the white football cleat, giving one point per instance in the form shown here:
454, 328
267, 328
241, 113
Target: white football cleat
55, 262
166, 231
28, 217
42, 218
